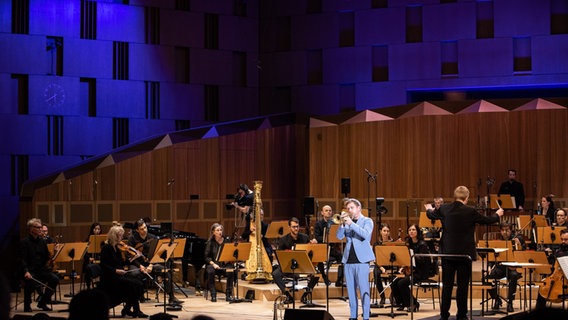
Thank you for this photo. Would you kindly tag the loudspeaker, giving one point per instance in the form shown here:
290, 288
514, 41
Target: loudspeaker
304, 314
309, 206
345, 185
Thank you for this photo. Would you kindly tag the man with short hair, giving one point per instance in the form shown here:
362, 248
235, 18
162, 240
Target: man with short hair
357, 230
514, 188
561, 218
458, 238
35, 257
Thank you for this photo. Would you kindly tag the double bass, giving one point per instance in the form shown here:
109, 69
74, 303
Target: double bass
258, 266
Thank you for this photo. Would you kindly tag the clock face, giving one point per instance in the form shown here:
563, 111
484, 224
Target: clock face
54, 95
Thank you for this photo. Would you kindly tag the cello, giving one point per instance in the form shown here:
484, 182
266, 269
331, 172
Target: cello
553, 285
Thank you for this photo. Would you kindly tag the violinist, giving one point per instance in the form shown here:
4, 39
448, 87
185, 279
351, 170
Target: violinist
378, 270
423, 269
34, 264
45, 234
558, 290
141, 240
499, 271
213, 266
88, 258
114, 280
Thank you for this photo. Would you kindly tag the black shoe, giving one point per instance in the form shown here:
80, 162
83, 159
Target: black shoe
43, 307
510, 307
497, 304
416, 307
174, 300
213, 298
139, 314
382, 303
125, 312
229, 298
28, 309
401, 308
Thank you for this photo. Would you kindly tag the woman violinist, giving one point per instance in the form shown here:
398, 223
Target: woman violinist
423, 269
553, 285
378, 270
114, 279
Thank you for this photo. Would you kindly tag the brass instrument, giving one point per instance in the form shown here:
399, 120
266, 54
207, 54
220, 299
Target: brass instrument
258, 265
336, 218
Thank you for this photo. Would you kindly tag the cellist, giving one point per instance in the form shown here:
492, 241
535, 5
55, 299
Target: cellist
552, 289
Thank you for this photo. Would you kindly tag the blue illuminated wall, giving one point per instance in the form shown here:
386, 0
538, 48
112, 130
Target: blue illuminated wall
132, 69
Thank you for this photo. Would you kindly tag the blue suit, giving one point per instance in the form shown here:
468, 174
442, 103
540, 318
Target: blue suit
358, 236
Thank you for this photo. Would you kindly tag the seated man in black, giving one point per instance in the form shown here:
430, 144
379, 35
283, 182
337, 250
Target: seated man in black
34, 264
499, 271
288, 242
321, 232
141, 240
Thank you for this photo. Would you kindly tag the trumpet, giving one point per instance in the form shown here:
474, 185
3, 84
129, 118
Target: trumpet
336, 218
339, 218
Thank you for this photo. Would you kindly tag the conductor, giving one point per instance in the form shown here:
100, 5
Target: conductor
458, 224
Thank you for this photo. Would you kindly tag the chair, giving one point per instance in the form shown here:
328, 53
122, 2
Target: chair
429, 284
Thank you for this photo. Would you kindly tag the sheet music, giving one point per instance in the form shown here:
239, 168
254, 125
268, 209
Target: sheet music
563, 261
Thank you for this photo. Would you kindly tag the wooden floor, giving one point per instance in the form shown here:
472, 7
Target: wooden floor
259, 309
263, 306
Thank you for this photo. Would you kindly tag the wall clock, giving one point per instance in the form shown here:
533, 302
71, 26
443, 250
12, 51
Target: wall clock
54, 95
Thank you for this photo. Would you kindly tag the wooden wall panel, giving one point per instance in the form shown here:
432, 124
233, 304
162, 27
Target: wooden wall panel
414, 158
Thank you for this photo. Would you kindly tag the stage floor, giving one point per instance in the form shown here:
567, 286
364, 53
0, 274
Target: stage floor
259, 308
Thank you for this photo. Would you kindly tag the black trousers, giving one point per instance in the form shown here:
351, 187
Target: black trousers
47, 277
211, 272
451, 267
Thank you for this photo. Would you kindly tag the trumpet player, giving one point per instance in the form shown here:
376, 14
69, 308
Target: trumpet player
357, 229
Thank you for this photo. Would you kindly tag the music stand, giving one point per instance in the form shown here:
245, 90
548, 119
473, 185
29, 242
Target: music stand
293, 262
318, 253
234, 253
164, 252
392, 255
95, 243
277, 229
504, 201
524, 221
549, 235
426, 222
71, 252
332, 238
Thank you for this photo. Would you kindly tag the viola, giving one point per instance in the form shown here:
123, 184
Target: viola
130, 252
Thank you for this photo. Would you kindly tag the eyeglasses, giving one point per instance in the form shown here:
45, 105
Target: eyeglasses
295, 227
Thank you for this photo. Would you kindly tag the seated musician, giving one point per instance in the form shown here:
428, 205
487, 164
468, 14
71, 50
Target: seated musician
88, 258
115, 281
322, 228
423, 270
288, 242
141, 240
561, 218
385, 237
499, 271
214, 267
560, 252
35, 262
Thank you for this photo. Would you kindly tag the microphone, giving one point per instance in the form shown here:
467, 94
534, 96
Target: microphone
171, 181
538, 209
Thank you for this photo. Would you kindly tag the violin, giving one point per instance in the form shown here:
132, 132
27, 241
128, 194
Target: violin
129, 252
